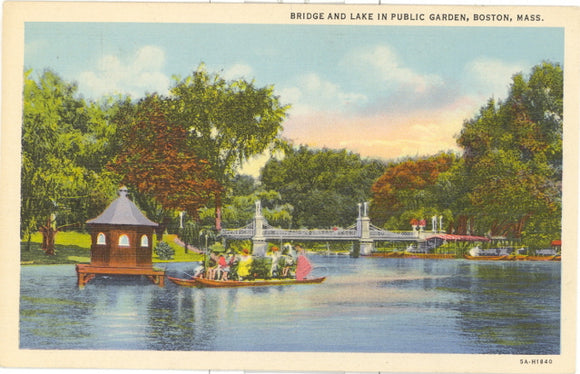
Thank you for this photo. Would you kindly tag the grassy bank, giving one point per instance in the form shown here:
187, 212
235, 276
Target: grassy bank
74, 247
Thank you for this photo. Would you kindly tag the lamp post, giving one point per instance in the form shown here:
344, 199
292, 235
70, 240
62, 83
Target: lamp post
205, 235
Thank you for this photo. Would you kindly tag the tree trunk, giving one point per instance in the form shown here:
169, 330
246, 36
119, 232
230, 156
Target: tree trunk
28, 240
218, 211
48, 237
461, 225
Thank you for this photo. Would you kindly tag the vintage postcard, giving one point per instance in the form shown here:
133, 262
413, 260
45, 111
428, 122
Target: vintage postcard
289, 187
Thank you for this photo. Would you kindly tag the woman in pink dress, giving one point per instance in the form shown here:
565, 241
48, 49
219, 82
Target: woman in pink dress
303, 266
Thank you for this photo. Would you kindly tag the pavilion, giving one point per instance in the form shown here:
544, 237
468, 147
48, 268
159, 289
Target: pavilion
121, 243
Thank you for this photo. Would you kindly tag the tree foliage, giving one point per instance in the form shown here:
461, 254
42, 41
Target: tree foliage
157, 160
513, 155
508, 180
65, 143
182, 153
323, 186
408, 190
239, 207
227, 122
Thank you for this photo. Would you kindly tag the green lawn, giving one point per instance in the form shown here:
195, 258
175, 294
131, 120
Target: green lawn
74, 247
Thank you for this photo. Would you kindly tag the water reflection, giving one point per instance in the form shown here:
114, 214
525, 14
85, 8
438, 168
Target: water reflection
511, 307
366, 305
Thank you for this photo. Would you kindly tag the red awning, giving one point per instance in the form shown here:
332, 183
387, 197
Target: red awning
462, 238
557, 242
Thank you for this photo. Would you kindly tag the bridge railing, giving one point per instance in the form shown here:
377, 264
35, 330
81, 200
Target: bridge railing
386, 235
278, 233
350, 233
243, 233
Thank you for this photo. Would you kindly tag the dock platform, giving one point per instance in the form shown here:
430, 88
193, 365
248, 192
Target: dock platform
86, 272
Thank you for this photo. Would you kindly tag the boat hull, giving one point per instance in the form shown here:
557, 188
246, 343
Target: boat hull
430, 256
542, 258
387, 254
183, 282
487, 258
201, 282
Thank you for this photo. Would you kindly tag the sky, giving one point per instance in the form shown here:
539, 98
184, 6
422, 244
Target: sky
380, 91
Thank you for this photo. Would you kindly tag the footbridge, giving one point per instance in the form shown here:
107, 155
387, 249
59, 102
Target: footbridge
259, 231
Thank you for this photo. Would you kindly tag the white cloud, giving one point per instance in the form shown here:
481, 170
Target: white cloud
136, 75
384, 64
149, 58
486, 77
313, 94
238, 71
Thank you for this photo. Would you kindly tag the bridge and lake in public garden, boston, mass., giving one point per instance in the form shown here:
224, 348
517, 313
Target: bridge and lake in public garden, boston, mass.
450, 138
367, 304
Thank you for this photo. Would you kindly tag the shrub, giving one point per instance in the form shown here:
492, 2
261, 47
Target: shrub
164, 251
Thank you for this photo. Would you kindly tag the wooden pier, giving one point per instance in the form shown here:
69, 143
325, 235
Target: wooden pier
86, 272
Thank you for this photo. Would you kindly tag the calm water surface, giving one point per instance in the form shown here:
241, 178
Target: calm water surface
365, 305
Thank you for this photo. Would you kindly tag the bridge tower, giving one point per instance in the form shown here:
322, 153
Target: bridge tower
259, 244
363, 228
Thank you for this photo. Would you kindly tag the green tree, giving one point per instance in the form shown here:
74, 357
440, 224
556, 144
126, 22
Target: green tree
240, 210
65, 142
513, 157
323, 186
189, 234
227, 122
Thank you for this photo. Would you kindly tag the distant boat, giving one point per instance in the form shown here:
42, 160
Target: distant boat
202, 282
386, 254
541, 258
487, 258
432, 256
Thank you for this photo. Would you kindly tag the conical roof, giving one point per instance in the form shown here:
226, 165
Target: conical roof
122, 211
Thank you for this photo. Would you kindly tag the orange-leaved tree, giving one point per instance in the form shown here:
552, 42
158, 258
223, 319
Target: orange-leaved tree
406, 188
156, 159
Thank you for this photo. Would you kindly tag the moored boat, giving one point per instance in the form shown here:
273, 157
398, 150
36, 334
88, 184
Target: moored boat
192, 282
386, 254
203, 282
431, 256
487, 258
542, 258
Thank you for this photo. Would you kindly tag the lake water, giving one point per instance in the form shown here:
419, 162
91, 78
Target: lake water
365, 305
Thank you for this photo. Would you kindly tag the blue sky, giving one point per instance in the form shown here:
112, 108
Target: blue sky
381, 91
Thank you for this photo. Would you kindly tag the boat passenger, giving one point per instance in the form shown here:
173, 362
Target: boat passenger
303, 266
198, 271
213, 270
275, 255
233, 264
286, 262
223, 267
245, 264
